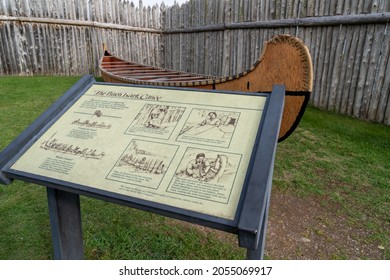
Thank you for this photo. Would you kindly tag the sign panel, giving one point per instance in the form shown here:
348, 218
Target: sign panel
186, 149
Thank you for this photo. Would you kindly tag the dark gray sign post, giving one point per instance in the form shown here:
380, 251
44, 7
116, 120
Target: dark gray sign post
199, 156
65, 222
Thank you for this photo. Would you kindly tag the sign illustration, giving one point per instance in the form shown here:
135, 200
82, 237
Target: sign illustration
213, 128
143, 163
157, 121
206, 174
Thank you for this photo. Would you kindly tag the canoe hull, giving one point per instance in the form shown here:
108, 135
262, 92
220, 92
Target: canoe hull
285, 60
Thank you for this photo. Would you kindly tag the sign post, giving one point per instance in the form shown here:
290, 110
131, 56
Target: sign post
201, 156
65, 222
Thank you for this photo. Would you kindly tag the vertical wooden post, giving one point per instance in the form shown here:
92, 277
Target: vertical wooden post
65, 223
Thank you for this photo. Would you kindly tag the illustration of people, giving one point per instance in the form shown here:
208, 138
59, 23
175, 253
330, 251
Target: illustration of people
211, 120
160, 168
156, 117
198, 167
140, 164
207, 169
215, 168
209, 123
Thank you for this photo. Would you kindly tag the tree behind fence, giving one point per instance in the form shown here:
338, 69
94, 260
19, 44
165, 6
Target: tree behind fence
351, 54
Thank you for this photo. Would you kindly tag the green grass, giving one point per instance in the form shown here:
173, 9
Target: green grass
24, 219
340, 161
345, 162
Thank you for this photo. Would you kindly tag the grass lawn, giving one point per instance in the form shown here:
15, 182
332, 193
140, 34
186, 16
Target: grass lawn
335, 166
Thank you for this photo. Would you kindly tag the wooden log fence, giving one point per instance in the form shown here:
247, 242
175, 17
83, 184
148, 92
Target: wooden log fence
82, 23
55, 37
349, 41
303, 22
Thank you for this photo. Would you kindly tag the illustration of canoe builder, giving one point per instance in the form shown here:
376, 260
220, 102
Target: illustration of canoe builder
207, 170
198, 167
207, 124
211, 119
156, 117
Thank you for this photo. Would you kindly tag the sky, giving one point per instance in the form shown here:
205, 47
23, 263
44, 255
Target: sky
167, 2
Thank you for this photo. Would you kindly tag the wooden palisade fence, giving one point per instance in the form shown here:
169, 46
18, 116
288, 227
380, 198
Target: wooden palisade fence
349, 41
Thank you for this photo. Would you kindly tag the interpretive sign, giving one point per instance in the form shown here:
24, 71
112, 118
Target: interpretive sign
182, 153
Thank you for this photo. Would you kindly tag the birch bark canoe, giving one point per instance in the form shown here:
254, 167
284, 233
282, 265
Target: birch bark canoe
285, 60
